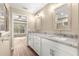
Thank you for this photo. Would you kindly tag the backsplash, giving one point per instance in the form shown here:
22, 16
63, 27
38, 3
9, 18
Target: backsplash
73, 36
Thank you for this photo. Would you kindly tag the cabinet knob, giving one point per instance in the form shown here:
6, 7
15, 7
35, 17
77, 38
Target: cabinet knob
51, 52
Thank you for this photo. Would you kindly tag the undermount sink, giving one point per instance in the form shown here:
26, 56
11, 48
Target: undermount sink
60, 38
56, 37
63, 39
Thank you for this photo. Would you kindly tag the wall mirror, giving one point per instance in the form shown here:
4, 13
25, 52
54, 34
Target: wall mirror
4, 25
3, 17
63, 17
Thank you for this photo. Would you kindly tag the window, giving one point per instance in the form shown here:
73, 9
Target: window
19, 26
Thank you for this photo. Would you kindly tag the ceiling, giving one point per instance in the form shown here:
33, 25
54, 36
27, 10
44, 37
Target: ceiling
31, 7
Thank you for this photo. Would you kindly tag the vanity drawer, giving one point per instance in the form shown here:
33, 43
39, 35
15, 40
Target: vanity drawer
58, 49
64, 48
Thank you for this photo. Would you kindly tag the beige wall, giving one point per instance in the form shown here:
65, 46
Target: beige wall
75, 19
31, 22
48, 20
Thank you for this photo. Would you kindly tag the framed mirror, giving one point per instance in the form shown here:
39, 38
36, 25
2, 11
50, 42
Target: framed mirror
63, 17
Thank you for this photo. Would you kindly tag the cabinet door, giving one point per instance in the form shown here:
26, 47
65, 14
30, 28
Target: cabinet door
4, 48
37, 44
48, 48
45, 50
57, 50
30, 41
65, 50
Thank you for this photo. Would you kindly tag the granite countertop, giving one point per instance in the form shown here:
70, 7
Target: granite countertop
63, 40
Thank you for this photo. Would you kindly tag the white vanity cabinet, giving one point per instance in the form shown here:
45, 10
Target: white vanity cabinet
37, 44
34, 43
51, 48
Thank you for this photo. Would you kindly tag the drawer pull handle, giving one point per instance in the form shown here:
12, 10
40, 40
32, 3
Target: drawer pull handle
51, 52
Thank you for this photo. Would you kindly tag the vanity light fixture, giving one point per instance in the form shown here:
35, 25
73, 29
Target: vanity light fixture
19, 17
23, 18
41, 14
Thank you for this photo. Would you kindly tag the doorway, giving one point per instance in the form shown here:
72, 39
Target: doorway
5, 33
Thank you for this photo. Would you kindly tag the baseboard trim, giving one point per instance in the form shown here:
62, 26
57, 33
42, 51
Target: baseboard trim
33, 50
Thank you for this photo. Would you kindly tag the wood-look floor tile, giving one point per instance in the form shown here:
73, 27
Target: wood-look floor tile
21, 49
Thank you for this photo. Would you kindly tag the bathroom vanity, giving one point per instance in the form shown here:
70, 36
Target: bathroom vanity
52, 45
64, 21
